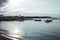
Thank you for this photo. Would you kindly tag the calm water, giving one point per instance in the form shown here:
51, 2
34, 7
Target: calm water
30, 30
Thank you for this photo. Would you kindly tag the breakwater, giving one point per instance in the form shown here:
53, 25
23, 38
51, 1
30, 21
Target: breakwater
19, 18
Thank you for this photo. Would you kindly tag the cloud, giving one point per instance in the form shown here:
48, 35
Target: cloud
3, 3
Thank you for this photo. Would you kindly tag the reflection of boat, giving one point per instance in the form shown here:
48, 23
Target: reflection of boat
48, 21
37, 20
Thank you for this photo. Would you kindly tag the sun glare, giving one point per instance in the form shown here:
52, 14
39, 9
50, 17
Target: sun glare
15, 5
16, 2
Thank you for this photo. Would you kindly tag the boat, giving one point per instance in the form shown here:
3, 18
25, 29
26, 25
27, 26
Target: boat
48, 21
37, 20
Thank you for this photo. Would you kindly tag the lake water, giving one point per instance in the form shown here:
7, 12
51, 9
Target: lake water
30, 30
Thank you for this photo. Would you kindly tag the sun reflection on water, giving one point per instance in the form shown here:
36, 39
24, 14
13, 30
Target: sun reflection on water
14, 30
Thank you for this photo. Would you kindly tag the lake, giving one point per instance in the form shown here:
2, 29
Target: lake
30, 30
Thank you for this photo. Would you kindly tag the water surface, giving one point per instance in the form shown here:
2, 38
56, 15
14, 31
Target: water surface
30, 30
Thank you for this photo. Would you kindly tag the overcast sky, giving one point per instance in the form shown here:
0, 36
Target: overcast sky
35, 6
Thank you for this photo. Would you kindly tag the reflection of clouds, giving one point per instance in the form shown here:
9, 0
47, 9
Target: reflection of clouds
14, 30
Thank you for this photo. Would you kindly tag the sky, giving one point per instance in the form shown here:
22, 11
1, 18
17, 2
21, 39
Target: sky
31, 6
2, 2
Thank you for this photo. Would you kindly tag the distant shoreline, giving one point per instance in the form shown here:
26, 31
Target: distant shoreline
21, 18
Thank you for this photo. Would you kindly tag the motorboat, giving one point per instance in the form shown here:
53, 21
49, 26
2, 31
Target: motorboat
48, 21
